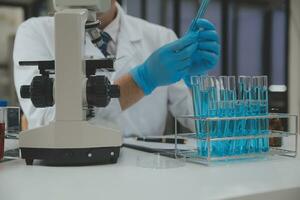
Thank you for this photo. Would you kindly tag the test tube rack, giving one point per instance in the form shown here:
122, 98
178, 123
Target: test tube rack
193, 152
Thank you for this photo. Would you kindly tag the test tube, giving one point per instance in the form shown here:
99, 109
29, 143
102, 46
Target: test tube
195, 82
213, 108
244, 109
211, 84
196, 93
205, 105
226, 108
227, 95
255, 104
223, 85
200, 95
200, 110
261, 85
222, 106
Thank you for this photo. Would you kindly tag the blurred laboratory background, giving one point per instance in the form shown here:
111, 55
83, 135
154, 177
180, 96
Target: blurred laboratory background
259, 37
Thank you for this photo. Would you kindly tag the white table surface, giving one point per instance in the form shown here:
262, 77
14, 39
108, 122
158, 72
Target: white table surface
127, 180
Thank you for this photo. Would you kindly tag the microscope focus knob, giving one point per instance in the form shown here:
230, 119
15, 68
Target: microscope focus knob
114, 91
25, 91
99, 91
40, 92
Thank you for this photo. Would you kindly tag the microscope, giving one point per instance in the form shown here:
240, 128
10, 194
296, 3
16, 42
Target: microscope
75, 90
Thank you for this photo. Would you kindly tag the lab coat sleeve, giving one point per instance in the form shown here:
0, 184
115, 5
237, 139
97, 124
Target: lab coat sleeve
30, 45
180, 98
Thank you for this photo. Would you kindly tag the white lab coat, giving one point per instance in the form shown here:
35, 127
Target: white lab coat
136, 41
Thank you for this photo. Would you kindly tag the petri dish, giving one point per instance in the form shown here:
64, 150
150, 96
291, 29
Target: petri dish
158, 161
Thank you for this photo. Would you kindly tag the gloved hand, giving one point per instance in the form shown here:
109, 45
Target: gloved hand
166, 65
208, 50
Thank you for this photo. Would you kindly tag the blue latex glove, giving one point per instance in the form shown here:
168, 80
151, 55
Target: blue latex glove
208, 51
166, 65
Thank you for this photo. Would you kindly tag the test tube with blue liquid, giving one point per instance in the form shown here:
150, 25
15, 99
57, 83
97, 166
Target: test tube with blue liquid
220, 93
261, 85
255, 104
195, 82
200, 110
243, 109
209, 90
215, 127
205, 96
227, 90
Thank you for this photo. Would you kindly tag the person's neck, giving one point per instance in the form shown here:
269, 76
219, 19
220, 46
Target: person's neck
107, 17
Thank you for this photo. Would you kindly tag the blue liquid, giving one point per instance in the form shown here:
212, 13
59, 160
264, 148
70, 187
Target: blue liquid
200, 100
207, 104
204, 108
246, 127
242, 128
260, 107
256, 127
265, 122
217, 147
227, 127
216, 129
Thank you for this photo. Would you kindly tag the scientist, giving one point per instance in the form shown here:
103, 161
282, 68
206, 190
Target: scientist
150, 63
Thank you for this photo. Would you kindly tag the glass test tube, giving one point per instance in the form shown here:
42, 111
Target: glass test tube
255, 107
200, 110
196, 91
261, 85
244, 109
212, 86
227, 92
195, 82
227, 89
205, 105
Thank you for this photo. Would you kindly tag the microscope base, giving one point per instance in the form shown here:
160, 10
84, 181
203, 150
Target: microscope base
71, 143
71, 157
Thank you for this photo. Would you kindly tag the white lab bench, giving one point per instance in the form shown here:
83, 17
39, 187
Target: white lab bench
273, 179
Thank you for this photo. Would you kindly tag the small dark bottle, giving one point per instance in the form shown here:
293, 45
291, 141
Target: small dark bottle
3, 104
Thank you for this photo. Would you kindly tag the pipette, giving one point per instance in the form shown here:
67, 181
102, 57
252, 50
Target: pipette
201, 11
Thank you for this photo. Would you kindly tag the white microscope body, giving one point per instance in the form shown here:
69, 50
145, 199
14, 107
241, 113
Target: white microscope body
70, 139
